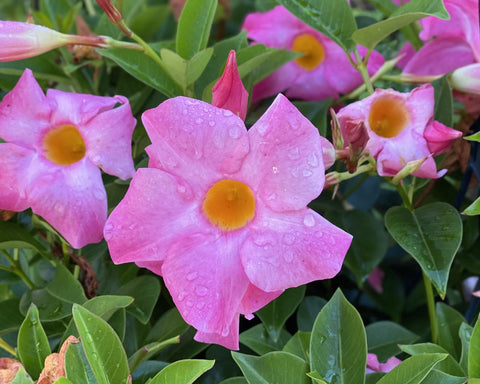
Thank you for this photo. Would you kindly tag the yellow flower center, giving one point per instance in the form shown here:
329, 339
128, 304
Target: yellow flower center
312, 49
229, 204
64, 145
388, 117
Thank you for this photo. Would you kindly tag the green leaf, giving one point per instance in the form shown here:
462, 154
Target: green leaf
49, 307
316, 377
102, 347
384, 337
474, 352
32, 343
465, 333
308, 311
449, 365
144, 69
443, 101
77, 367
197, 65
436, 376
413, 370
414, 10
259, 341
14, 236
170, 324
338, 347
235, 380
194, 27
148, 351
473, 209
275, 314
145, 291
474, 137
432, 234
21, 377
334, 18
449, 322
273, 367
182, 372
299, 345
65, 287
10, 317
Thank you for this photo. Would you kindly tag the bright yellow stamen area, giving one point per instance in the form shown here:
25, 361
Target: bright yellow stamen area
229, 204
64, 145
312, 49
388, 117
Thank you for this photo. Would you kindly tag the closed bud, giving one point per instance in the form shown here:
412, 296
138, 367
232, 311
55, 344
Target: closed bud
466, 79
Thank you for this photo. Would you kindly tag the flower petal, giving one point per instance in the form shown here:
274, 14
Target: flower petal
254, 299
229, 341
440, 137
156, 211
285, 164
196, 140
280, 80
108, 137
293, 248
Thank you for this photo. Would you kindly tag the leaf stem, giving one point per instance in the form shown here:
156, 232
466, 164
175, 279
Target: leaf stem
362, 68
431, 308
7, 347
16, 269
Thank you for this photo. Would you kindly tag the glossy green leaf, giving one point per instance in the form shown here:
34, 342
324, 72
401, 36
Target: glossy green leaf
77, 367
145, 291
10, 317
316, 377
449, 365
235, 380
443, 111
308, 311
449, 322
338, 347
474, 352
148, 351
273, 367
413, 370
182, 372
14, 236
32, 343
102, 347
334, 18
299, 345
370, 36
170, 324
473, 209
432, 234
21, 377
436, 376
465, 334
65, 287
258, 339
194, 27
383, 338
275, 314
144, 69
49, 307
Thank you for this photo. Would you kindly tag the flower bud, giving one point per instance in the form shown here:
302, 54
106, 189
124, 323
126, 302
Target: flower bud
111, 11
440, 137
466, 79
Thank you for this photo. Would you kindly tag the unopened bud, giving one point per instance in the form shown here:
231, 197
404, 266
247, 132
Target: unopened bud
336, 131
466, 79
411, 167
111, 11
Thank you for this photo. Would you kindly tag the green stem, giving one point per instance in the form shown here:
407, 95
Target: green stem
7, 347
362, 68
404, 195
431, 308
15, 268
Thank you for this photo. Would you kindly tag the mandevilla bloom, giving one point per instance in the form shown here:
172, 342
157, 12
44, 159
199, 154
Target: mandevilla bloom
323, 71
23, 40
221, 212
401, 129
55, 145
229, 92
373, 365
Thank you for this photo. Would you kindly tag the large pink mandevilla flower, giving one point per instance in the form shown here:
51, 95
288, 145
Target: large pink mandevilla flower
221, 212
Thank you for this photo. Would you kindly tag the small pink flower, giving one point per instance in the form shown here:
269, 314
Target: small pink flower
221, 212
229, 92
324, 71
401, 129
373, 365
22, 40
449, 44
375, 280
54, 147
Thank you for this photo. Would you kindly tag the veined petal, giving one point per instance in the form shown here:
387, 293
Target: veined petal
289, 249
157, 211
285, 164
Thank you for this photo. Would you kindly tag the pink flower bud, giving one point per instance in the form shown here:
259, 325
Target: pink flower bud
22, 40
440, 137
466, 79
229, 92
112, 12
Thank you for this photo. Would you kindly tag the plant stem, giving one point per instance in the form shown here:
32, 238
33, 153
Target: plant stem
404, 195
431, 308
15, 268
362, 68
7, 347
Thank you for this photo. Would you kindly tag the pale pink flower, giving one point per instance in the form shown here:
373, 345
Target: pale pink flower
324, 71
23, 40
449, 44
221, 212
55, 145
229, 92
373, 365
401, 129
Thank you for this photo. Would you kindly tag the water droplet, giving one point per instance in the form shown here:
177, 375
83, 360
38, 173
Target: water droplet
200, 290
295, 172
185, 112
307, 173
312, 160
192, 276
275, 170
271, 197
99, 194
211, 123
108, 236
294, 154
181, 296
200, 305
190, 303
288, 239
132, 226
309, 220
199, 121
181, 189
108, 227
225, 331
288, 255
227, 113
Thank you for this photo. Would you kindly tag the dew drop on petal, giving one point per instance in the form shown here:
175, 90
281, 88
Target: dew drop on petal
108, 227
309, 220
288, 239
200, 305
211, 123
294, 154
181, 296
190, 303
227, 113
234, 132
199, 121
275, 170
288, 255
200, 290
192, 276
225, 331
307, 173
312, 160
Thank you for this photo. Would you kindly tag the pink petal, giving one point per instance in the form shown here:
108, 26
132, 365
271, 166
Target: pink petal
373, 365
229, 92
391, 363
196, 140
72, 199
285, 164
328, 152
280, 80
440, 137
108, 137
312, 85
440, 56
205, 278
229, 341
157, 210
292, 248
254, 299
14, 163
406, 53
24, 112
375, 280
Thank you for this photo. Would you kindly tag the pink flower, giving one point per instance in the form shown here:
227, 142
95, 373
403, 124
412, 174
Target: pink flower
55, 145
375, 280
229, 92
401, 129
373, 365
449, 44
221, 212
324, 71
22, 40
